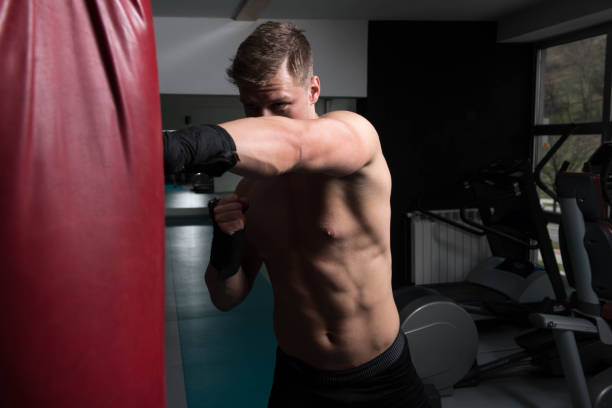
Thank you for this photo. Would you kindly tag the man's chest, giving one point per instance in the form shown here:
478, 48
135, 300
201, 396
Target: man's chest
286, 215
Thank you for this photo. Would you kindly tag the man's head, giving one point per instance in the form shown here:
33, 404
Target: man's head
273, 70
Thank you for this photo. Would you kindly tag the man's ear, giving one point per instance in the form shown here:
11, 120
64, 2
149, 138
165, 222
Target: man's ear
314, 89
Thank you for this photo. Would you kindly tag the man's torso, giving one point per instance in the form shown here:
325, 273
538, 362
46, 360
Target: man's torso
325, 243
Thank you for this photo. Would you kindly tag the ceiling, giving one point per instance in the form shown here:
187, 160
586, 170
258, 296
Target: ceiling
423, 10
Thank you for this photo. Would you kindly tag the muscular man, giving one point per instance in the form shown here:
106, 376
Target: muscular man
318, 191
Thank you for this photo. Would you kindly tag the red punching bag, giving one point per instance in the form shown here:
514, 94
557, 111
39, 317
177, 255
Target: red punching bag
82, 222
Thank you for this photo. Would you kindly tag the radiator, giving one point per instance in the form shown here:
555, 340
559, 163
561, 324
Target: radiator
442, 253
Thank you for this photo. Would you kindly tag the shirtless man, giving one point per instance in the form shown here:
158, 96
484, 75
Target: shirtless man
318, 192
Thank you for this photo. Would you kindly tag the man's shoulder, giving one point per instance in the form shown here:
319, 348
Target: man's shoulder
355, 121
347, 117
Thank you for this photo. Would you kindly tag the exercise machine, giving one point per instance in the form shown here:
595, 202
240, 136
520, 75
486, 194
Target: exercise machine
444, 340
586, 244
440, 319
514, 224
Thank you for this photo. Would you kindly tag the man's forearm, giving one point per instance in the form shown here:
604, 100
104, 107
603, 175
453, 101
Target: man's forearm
226, 293
266, 146
255, 147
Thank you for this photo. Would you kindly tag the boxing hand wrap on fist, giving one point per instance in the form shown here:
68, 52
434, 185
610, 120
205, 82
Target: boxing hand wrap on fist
203, 148
228, 244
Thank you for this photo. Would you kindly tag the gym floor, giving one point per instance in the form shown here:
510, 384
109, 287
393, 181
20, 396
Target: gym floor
218, 360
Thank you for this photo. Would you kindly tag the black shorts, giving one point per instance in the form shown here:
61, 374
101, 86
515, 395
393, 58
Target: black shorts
388, 380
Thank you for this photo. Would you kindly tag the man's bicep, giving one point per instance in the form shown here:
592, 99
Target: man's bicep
339, 144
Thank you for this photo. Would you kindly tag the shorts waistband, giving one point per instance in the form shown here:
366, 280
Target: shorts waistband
367, 370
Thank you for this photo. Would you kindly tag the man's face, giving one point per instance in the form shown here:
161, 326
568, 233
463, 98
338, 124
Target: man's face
283, 96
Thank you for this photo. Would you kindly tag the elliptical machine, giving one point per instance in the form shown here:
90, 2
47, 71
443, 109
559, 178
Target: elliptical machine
443, 346
439, 320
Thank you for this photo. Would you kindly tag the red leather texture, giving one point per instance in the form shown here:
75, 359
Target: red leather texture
82, 217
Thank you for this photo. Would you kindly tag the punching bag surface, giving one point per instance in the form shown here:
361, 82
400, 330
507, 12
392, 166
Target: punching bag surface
81, 255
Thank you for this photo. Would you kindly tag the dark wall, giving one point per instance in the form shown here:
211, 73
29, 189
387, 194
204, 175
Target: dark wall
446, 99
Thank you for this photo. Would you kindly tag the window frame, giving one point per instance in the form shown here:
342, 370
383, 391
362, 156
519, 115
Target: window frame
604, 126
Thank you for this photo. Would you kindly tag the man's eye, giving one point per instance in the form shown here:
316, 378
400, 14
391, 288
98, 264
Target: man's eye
280, 105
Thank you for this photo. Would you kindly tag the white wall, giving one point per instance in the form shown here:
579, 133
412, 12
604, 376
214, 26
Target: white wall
193, 54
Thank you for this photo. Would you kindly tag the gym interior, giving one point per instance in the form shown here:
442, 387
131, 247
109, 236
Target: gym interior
495, 119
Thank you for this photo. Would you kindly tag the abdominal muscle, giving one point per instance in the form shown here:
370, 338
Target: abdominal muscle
334, 315
325, 243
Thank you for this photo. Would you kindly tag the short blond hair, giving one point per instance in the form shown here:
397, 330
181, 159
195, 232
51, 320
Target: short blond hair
261, 54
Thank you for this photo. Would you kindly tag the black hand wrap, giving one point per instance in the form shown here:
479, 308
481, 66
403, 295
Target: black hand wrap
227, 250
204, 148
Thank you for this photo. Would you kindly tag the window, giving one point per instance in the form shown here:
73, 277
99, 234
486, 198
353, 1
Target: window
571, 78
573, 95
572, 89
